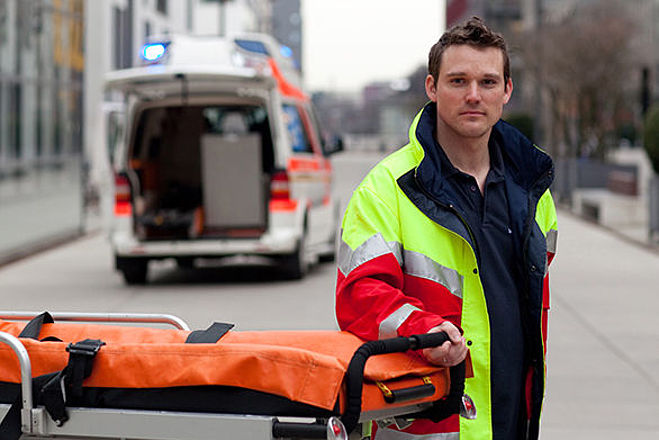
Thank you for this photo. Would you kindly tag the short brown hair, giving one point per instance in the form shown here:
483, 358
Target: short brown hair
473, 32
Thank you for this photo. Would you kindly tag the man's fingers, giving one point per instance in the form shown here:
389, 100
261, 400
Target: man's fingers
451, 330
448, 354
455, 357
436, 355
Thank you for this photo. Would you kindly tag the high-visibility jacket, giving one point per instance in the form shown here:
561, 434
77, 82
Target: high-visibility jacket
408, 261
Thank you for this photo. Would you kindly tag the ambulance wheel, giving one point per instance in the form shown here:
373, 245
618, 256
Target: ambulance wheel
329, 256
185, 263
295, 265
135, 272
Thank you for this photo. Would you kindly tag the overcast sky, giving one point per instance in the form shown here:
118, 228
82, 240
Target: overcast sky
348, 43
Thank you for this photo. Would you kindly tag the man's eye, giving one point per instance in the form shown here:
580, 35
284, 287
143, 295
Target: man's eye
457, 81
489, 82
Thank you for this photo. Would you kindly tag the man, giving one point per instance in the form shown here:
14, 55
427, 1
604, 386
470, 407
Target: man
455, 232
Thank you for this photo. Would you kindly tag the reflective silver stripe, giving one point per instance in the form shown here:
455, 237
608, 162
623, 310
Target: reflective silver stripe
419, 265
390, 434
414, 263
552, 238
389, 327
375, 246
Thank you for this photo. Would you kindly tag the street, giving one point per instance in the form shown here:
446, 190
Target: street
79, 277
603, 361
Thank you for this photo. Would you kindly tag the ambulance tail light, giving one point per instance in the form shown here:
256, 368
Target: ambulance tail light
280, 186
122, 203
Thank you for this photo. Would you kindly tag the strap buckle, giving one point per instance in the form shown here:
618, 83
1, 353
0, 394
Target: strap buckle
88, 347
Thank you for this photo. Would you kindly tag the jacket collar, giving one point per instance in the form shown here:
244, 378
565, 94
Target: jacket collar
525, 163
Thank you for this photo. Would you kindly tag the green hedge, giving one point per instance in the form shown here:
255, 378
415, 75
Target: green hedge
523, 122
651, 137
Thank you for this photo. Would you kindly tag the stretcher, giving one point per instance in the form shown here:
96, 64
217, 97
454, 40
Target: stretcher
109, 376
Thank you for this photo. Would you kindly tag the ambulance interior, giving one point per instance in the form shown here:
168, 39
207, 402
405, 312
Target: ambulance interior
201, 171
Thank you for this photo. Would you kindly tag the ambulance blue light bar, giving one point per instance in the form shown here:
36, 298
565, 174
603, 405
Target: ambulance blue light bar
152, 52
286, 51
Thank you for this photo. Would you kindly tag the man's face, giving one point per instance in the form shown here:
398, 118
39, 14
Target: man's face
470, 91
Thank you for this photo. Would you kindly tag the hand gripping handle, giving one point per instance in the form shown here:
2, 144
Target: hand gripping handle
428, 340
355, 373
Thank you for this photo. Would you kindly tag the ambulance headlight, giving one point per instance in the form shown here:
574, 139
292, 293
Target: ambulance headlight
153, 52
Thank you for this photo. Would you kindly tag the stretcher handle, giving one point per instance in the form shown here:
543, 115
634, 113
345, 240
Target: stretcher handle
298, 430
26, 377
135, 318
411, 393
428, 340
355, 373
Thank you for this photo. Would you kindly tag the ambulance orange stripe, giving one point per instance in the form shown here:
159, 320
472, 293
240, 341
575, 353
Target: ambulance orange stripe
286, 88
303, 164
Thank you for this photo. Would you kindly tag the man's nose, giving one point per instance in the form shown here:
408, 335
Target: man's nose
473, 92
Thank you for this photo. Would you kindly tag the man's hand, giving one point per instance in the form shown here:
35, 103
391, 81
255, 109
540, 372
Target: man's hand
451, 352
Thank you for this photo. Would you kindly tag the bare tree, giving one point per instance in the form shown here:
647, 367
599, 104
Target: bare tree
585, 62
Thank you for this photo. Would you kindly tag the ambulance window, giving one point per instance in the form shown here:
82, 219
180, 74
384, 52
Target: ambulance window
317, 127
298, 136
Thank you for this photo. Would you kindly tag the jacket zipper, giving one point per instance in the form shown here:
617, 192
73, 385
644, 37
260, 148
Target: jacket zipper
452, 209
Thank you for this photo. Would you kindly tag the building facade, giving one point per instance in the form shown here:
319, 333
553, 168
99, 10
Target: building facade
41, 122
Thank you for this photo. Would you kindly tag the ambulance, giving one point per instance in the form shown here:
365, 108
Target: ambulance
221, 160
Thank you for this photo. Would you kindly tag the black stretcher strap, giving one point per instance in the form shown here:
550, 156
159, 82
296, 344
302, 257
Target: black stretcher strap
10, 427
209, 336
451, 404
33, 328
66, 386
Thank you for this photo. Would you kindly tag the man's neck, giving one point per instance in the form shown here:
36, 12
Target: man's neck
469, 155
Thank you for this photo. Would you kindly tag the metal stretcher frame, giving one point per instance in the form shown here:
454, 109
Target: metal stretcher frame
102, 423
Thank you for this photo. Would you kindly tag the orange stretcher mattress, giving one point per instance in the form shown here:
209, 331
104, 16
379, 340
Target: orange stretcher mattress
304, 367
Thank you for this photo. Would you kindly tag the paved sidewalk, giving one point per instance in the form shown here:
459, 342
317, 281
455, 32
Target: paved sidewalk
603, 360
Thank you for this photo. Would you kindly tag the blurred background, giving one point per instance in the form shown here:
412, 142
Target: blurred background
585, 75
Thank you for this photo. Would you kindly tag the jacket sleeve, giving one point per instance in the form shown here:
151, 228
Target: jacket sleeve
370, 297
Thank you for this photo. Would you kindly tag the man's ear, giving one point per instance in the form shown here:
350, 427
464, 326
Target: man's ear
508, 90
431, 88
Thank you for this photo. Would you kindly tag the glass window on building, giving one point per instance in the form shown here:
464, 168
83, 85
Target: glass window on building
161, 6
117, 53
45, 143
14, 121
41, 79
41, 84
27, 21
122, 51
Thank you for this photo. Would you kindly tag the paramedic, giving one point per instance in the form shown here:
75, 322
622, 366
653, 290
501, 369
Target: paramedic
455, 232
